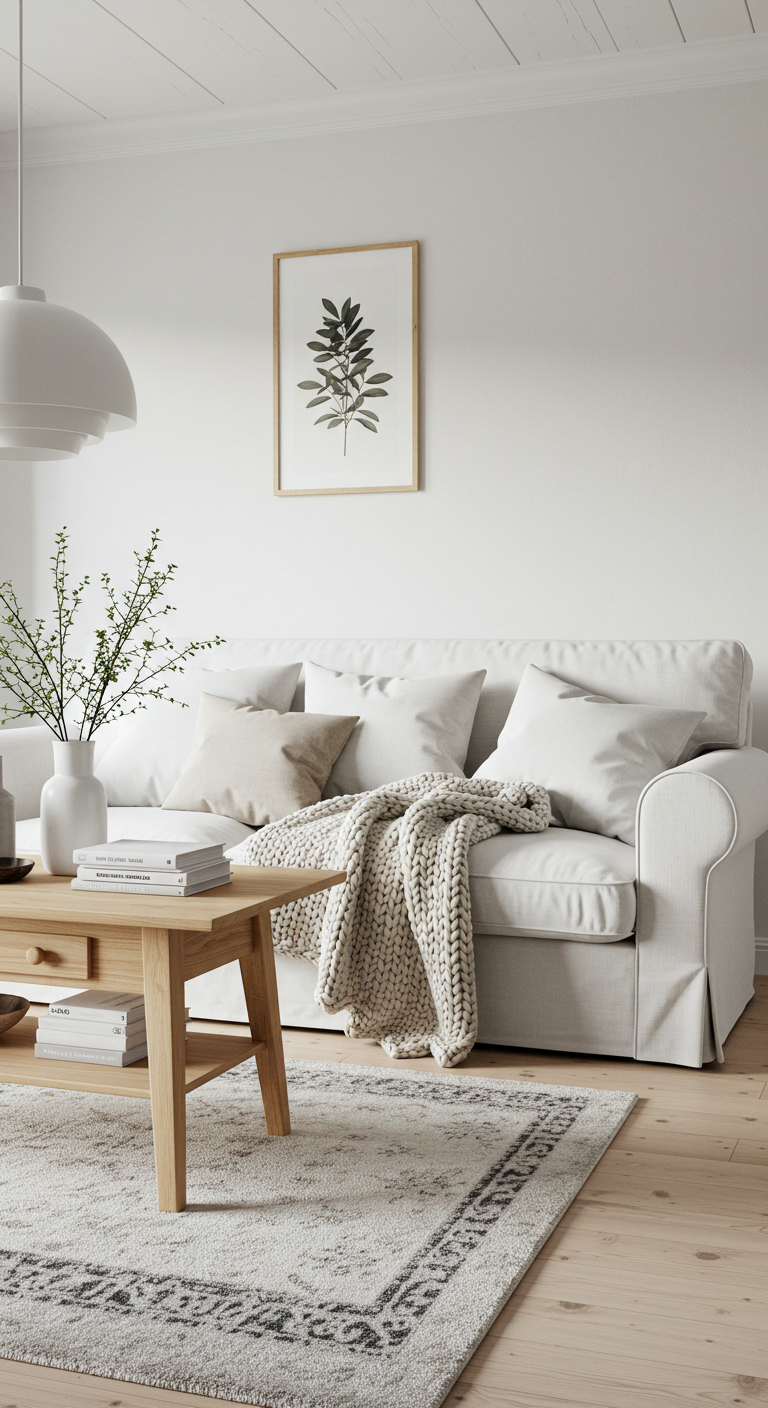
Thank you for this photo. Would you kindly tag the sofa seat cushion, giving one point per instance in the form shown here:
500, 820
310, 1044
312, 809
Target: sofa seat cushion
150, 824
557, 883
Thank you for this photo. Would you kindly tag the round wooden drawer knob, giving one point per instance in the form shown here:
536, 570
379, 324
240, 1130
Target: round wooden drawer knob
35, 955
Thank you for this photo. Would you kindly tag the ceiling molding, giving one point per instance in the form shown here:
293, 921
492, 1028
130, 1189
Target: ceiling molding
641, 72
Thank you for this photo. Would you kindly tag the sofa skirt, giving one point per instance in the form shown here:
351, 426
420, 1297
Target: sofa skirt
549, 994
556, 995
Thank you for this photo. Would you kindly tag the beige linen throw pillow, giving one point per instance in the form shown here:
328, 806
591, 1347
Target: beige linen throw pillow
256, 765
593, 755
147, 757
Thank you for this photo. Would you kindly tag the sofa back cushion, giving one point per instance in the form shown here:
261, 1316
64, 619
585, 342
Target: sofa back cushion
406, 726
712, 676
27, 755
594, 756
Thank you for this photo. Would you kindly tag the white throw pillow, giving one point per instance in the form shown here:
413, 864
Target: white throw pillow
593, 755
147, 757
406, 726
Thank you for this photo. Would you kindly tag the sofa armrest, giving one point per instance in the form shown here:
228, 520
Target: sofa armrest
696, 829
27, 755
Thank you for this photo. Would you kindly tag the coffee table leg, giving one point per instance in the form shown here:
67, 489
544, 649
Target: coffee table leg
164, 1006
260, 985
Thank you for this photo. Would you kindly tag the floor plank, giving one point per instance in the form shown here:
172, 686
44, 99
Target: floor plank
750, 1151
631, 1180
552, 1390
662, 1116
707, 1301
647, 1240
34, 1386
652, 1292
697, 1146
677, 1342
591, 1378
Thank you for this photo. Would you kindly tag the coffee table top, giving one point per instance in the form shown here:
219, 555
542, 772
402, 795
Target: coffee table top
254, 888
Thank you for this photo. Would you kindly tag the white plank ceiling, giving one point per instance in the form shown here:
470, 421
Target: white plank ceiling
102, 60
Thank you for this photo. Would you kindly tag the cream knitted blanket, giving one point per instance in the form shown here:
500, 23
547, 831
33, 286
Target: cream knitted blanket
394, 943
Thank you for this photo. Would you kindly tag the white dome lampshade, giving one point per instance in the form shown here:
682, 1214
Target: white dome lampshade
63, 382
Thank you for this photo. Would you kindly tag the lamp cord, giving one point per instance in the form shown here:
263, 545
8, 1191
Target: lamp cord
20, 124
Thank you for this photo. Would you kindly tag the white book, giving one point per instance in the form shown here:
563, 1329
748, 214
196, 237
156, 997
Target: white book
170, 879
104, 1041
75, 1028
121, 888
90, 1055
76, 1025
99, 1006
149, 855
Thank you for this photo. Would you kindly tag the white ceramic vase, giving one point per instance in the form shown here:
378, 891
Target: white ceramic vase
73, 807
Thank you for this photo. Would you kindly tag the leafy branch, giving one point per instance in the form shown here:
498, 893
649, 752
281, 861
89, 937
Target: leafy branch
343, 361
46, 682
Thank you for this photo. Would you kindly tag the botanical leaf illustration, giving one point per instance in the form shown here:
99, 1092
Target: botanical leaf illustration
346, 383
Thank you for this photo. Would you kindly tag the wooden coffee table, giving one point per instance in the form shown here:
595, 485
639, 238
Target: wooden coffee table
50, 933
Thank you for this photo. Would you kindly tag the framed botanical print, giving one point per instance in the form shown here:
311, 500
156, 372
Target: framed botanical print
346, 338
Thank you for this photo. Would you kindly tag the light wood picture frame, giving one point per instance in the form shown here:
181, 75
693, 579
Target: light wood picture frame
346, 410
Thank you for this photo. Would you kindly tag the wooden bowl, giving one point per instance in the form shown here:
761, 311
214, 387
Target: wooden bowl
12, 1009
14, 868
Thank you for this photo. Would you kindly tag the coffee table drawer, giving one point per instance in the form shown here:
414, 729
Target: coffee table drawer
34, 956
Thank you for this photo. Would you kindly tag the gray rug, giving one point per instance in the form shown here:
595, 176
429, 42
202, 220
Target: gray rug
356, 1264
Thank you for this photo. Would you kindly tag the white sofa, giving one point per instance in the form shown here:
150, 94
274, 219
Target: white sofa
582, 943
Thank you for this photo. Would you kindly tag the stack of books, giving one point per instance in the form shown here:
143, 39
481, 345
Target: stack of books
101, 1028
151, 867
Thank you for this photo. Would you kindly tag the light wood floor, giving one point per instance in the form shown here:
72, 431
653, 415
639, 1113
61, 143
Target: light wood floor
653, 1290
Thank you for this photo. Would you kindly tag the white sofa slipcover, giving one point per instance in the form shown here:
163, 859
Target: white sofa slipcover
580, 944
554, 884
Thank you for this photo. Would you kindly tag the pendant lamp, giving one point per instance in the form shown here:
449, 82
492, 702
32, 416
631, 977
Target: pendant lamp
63, 382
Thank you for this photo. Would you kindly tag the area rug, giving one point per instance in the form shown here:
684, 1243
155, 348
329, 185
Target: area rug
355, 1264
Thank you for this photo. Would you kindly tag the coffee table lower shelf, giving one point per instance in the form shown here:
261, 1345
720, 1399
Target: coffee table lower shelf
207, 1056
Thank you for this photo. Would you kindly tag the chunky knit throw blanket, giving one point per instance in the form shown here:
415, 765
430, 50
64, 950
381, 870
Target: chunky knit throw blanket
394, 943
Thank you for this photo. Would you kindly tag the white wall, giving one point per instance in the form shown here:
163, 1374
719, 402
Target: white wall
595, 373
16, 482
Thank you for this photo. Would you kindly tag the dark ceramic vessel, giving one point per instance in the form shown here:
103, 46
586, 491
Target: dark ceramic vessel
14, 868
12, 1009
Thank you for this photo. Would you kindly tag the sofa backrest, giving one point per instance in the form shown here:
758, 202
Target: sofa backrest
27, 754
714, 675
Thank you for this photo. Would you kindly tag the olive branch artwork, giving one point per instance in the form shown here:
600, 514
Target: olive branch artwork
348, 356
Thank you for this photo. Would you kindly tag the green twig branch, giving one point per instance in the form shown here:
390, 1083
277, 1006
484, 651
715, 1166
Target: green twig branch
130, 658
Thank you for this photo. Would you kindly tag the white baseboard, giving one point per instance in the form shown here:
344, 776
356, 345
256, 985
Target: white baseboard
761, 956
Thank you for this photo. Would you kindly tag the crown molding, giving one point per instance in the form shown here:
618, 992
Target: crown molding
631, 74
